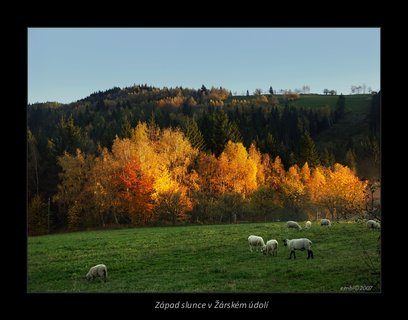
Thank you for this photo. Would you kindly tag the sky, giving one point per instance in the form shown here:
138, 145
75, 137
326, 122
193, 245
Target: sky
68, 64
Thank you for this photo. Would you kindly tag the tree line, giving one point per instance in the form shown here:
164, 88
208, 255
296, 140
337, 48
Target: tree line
157, 177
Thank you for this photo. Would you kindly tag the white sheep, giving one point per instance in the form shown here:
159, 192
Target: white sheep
293, 224
299, 244
271, 247
98, 270
308, 224
325, 222
255, 241
372, 224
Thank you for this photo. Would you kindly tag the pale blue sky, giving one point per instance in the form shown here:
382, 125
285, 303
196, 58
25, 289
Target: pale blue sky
68, 64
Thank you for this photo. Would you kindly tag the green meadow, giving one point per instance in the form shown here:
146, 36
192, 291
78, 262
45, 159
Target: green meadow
210, 258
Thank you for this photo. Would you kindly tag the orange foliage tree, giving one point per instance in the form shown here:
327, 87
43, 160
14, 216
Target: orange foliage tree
135, 192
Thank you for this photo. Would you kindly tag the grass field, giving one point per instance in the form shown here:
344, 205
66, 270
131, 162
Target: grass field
356, 102
316, 101
213, 258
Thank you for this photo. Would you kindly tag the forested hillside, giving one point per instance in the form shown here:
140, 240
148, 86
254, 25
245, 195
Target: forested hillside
142, 155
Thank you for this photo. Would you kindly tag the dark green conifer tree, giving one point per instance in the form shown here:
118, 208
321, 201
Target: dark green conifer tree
308, 152
194, 134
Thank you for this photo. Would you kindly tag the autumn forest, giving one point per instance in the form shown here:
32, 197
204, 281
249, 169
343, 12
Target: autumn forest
142, 156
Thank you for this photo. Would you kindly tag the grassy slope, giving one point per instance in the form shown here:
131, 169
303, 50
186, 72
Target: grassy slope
213, 258
353, 124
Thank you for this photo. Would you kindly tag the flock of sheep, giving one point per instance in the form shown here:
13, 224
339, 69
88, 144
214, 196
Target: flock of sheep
271, 247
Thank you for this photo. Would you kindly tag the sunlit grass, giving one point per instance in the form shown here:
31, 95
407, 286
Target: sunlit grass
213, 258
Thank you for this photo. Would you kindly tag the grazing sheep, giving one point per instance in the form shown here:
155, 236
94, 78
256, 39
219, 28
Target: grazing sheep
299, 244
372, 224
98, 270
255, 241
293, 224
308, 224
271, 247
325, 222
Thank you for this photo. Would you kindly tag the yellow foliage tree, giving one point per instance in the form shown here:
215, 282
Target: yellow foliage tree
207, 172
167, 158
345, 192
123, 150
176, 101
317, 184
236, 171
152, 162
276, 174
104, 189
256, 156
293, 190
218, 93
316, 187
305, 173
338, 190
177, 153
73, 193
